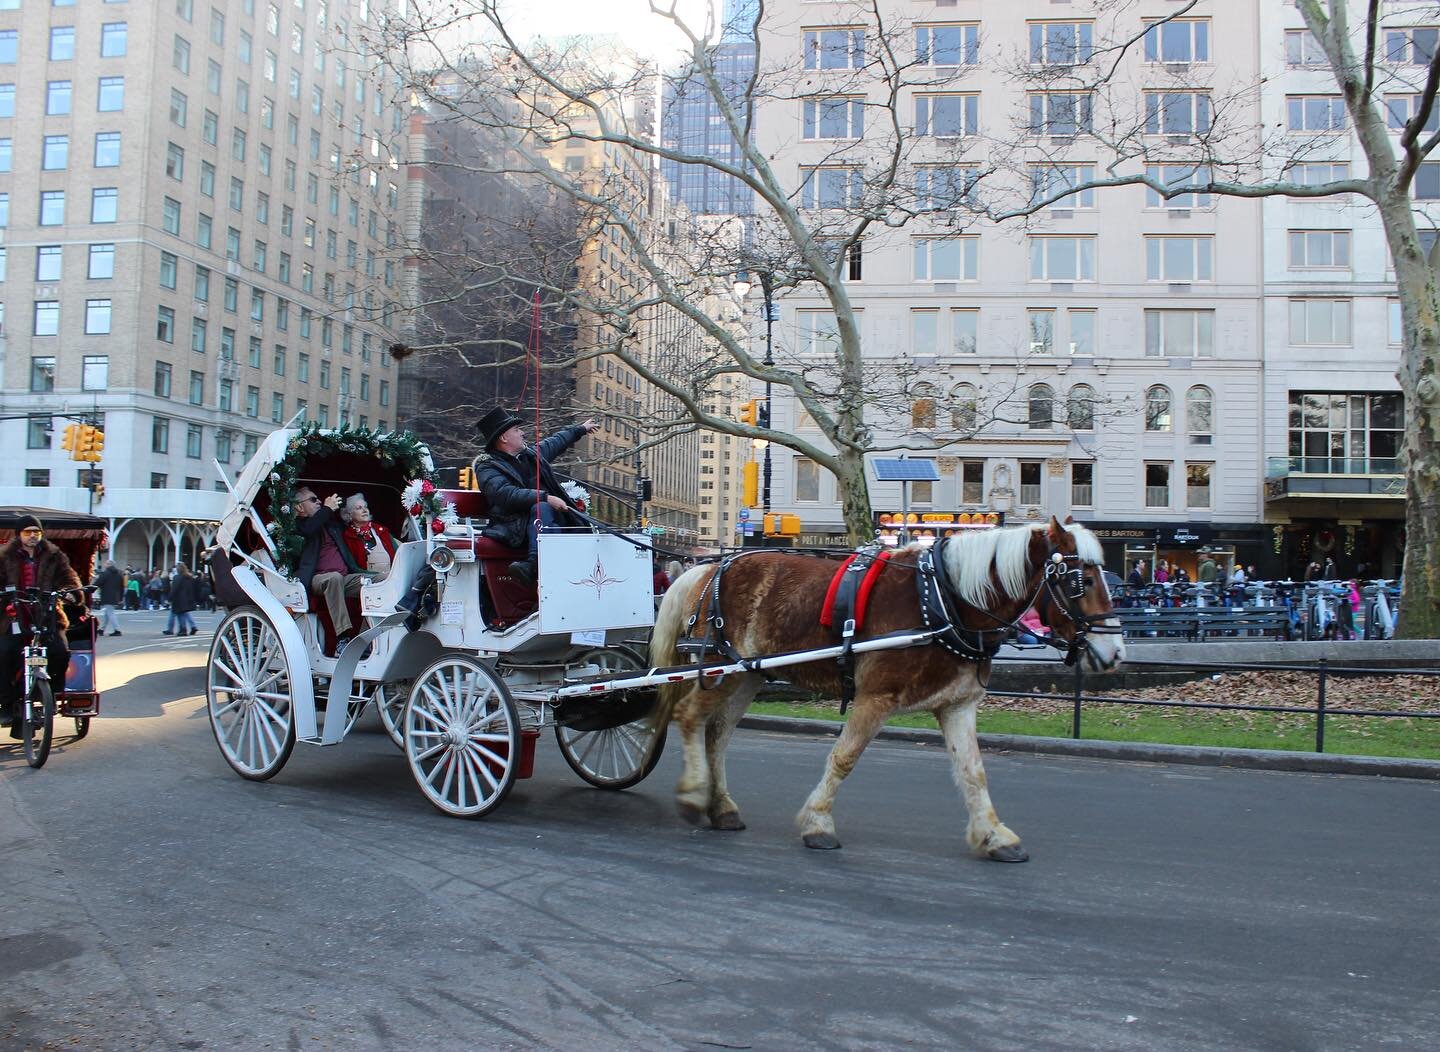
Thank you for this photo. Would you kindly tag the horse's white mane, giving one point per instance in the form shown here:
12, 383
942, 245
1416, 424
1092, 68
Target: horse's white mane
971, 556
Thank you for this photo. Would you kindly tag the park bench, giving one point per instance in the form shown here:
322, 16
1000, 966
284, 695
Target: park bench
1158, 622
1240, 621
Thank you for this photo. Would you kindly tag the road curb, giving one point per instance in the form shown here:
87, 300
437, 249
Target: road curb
1144, 752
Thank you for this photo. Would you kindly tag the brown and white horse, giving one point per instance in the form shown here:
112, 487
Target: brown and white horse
771, 602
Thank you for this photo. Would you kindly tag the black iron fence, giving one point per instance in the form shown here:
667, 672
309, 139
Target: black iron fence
1323, 671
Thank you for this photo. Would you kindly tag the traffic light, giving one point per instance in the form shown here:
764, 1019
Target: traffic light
70, 438
777, 525
89, 444
467, 478
750, 412
646, 490
750, 485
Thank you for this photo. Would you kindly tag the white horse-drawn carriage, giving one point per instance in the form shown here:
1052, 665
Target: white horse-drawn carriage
465, 664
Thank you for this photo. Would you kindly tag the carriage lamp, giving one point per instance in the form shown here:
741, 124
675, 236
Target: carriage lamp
442, 560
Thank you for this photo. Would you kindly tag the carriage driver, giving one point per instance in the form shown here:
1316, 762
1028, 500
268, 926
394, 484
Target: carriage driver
30, 561
326, 566
518, 511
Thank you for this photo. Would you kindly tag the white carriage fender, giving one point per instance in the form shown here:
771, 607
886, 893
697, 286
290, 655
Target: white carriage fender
297, 658
342, 681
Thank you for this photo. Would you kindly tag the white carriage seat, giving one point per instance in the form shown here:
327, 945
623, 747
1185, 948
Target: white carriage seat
379, 597
285, 589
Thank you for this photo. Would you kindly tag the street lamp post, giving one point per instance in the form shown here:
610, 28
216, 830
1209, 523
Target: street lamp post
768, 290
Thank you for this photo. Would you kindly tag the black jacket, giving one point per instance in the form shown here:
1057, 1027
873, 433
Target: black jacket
182, 593
509, 486
111, 584
310, 529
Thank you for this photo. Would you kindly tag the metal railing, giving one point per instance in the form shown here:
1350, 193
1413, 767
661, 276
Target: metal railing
1321, 710
1276, 467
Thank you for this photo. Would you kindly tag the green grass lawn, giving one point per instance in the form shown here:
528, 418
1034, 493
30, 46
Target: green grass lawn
1350, 735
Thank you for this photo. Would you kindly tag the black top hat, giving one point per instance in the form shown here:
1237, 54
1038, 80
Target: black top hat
495, 423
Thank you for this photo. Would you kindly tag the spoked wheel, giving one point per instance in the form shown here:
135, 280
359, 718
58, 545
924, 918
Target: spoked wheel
82, 727
390, 699
615, 757
461, 735
248, 695
38, 723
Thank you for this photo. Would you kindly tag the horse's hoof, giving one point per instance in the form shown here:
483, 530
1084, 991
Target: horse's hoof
821, 841
1008, 853
730, 821
692, 814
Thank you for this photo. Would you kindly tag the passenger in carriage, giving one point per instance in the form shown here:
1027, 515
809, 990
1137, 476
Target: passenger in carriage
370, 543
519, 510
326, 566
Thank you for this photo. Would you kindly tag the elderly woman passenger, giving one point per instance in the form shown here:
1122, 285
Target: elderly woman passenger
369, 542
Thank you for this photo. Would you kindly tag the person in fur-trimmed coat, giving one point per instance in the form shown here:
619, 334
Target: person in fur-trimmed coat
30, 561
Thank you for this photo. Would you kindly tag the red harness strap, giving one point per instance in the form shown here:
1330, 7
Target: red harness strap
862, 594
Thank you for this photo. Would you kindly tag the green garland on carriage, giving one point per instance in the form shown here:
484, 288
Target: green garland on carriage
402, 450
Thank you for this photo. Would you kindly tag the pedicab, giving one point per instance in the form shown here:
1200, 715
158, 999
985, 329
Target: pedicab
465, 664
81, 538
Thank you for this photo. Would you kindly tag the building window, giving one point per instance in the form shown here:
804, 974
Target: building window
1041, 326
947, 45
1179, 258
62, 43
210, 128
1319, 249
104, 204
922, 407
1063, 113
169, 267
48, 260
947, 116
7, 154
1061, 43
202, 284
1080, 408
224, 446
1200, 415
180, 54
7, 100
302, 367
107, 149
1177, 113
1040, 411
833, 47
1048, 180
965, 329
831, 187
194, 439
1396, 326
924, 331
1178, 40
1411, 45
37, 478
1157, 485
97, 317
225, 400
807, 480
818, 334
1322, 322
56, 98
1062, 259
42, 374
277, 408
1197, 485
1157, 409
1082, 485
1082, 331
946, 258
1399, 109
1315, 113
198, 332
55, 154
163, 376
165, 325
1030, 484
160, 435
9, 45
47, 319
94, 372
39, 432
964, 408
1302, 49
113, 40
1351, 434
1179, 333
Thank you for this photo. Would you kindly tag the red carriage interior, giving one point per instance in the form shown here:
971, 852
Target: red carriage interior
83, 539
511, 600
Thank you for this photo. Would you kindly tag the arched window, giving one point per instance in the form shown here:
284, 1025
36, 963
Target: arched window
1080, 411
964, 408
1042, 407
1157, 409
1200, 415
922, 407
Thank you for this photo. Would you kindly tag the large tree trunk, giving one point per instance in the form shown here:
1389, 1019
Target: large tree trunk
1420, 384
855, 497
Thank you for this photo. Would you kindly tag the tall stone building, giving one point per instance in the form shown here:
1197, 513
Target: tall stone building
196, 202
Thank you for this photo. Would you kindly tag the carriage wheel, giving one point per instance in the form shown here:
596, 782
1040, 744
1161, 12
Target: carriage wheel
390, 699
38, 723
461, 735
615, 757
82, 727
248, 695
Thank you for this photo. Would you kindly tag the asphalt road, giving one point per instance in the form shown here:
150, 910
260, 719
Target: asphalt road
159, 902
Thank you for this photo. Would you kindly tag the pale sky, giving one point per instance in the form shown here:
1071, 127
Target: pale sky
647, 33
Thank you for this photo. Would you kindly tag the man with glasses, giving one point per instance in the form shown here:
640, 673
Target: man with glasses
326, 566
28, 560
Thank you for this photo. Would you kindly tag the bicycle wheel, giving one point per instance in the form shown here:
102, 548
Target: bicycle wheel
38, 714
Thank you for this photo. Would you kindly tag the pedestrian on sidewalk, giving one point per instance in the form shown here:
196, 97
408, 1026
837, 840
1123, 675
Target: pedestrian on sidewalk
110, 584
183, 595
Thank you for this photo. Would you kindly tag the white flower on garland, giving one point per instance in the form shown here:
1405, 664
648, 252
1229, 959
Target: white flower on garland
576, 492
448, 515
410, 495
272, 526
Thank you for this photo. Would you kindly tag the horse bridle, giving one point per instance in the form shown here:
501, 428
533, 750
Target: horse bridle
1064, 580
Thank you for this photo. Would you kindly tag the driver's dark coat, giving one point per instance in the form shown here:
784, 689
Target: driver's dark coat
509, 486
52, 573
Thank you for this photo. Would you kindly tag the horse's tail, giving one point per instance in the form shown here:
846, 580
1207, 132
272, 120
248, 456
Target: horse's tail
669, 624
